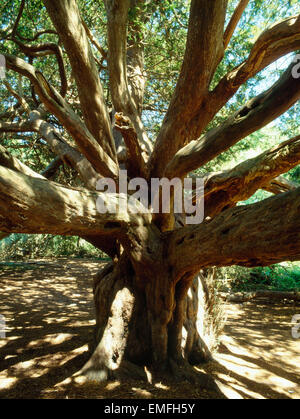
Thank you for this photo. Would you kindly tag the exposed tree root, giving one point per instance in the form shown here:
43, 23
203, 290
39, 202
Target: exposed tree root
183, 371
174, 370
100, 372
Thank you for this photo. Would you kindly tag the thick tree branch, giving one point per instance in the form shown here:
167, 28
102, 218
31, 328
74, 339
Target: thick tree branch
54, 102
261, 234
68, 23
280, 185
135, 162
257, 113
108, 245
204, 49
225, 189
215, 193
280, 39
31, 205
141, 11
275, 42
11, 162
117, 17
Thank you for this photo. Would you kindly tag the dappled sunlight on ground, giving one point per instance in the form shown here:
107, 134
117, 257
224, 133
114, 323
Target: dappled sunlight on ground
258, 356
49, 312
49, 322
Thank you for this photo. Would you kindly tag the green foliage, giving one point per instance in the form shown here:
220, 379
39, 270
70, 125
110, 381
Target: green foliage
258, 196
20, 246
282, 277
161, 26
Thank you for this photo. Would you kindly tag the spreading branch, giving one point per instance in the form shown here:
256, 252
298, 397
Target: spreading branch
117, 16
275, 42
7, 160
66, 18
56, 104
122, 98
257, 113
135, 162
135, 51
204, 49
260, 234
226, 189
11, 162
30, 205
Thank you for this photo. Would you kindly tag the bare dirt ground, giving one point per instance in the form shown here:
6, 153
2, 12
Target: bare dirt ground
49, 323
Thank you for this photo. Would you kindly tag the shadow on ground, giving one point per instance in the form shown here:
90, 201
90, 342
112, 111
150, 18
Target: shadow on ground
258, 357
49, 323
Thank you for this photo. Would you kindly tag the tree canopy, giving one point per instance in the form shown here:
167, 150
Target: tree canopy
163, 35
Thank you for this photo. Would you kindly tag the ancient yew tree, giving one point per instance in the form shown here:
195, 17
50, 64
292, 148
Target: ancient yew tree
90, 105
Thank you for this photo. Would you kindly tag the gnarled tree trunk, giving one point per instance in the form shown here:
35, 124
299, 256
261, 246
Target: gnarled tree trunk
140, 326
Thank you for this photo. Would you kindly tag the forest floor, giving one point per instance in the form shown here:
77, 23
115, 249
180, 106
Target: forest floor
49, 317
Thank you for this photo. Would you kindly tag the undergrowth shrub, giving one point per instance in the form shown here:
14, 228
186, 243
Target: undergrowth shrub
23, 246
281, 277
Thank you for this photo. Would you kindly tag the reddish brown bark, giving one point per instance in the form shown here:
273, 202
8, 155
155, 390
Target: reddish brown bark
148, 301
